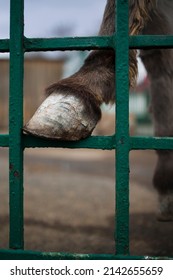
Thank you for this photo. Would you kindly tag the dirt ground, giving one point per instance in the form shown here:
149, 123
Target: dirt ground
70, 202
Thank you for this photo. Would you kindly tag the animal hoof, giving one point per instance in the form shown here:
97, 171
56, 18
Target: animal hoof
62, 117
166, 208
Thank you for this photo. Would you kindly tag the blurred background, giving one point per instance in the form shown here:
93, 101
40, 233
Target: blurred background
70, 194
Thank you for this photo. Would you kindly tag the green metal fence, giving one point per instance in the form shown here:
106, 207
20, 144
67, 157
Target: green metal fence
17, 45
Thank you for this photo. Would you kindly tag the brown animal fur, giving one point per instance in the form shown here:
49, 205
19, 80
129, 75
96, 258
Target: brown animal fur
99, 77
138, 17
94, 83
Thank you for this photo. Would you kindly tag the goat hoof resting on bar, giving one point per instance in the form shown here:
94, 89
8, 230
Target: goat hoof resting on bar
72, 108
64, 117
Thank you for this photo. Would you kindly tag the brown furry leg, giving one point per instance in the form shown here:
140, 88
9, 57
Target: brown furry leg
162, 109
163, 182
139, 15
159, 64
72, 109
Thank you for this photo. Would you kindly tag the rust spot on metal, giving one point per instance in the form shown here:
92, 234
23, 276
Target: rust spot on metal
11, 166
16, 174
122, 140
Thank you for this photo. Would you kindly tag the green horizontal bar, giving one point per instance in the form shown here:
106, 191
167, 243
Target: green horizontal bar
95, 142
151, 143
4, 45
34, 255
151, 41
90, 43
63, 44
83, 43
53, 44
92, 142
4, 140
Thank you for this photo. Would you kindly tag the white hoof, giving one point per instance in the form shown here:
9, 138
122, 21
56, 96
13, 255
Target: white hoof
62, 117
165, 208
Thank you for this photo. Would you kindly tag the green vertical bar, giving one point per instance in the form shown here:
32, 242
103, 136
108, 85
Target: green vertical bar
16, 123
122, 128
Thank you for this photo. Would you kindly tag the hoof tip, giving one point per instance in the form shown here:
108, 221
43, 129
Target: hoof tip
62, 117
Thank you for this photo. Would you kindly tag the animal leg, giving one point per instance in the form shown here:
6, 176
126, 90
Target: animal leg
72, 109
159, 65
